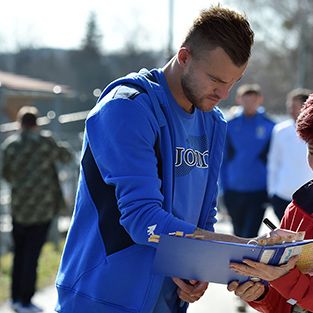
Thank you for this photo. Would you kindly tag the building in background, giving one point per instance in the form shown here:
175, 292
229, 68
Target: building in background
61, 110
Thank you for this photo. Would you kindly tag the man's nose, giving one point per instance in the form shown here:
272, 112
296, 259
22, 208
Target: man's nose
222, 92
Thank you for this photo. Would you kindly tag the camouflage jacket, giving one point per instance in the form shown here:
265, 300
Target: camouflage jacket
29, 166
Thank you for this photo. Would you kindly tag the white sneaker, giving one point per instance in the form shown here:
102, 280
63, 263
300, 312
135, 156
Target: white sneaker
28, 308
14, 305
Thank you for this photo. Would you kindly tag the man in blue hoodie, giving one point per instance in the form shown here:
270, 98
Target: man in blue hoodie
244, 169
150, 162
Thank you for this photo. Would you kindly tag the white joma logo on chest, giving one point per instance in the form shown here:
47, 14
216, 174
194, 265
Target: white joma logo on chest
191, 157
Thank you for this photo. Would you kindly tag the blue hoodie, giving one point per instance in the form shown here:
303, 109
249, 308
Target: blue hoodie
244, 167
126, 192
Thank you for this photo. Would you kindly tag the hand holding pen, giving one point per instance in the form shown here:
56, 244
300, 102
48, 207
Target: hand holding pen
277, 235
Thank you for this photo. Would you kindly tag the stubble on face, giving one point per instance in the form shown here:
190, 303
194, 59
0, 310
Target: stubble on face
194, 95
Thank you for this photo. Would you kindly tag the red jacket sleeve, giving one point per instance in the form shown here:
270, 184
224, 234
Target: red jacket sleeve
296, 285
293, 285
272, 302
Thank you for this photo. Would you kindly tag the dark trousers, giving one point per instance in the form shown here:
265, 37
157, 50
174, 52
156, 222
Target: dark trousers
28, 241
246, 210
279, 206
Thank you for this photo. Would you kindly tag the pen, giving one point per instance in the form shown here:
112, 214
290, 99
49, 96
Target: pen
269, 224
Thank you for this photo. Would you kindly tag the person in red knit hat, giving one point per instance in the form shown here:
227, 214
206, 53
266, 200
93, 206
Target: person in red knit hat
288, 289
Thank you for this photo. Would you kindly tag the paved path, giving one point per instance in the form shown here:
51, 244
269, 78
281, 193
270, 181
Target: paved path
45, 298
216, 300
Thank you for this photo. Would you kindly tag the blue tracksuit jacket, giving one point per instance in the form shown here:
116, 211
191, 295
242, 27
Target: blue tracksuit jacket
125, 190
244, 167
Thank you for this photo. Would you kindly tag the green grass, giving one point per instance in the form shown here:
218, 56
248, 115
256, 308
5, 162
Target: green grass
47, 269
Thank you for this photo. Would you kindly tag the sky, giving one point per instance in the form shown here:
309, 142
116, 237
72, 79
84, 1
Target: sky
62, 23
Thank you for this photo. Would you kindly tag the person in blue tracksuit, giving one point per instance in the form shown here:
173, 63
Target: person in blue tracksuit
244, 168
150, 162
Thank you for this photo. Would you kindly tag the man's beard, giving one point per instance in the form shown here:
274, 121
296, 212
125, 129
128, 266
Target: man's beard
189, 91
199, 102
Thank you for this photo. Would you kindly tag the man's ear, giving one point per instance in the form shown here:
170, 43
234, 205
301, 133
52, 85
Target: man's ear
183, 56
260, 99
238, 100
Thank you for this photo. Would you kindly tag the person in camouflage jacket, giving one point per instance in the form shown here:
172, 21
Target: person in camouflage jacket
29, 166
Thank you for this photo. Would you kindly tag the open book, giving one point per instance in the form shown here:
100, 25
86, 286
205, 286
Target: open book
208, 260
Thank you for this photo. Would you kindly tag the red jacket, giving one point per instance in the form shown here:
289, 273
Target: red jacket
298, 217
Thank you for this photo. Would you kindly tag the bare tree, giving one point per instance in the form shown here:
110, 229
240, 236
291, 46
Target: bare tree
282, 56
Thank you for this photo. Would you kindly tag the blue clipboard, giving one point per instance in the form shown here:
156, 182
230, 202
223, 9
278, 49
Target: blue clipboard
208, 260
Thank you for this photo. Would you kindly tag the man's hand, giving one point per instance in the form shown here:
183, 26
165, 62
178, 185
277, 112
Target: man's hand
278, 236
247, 291
190, 291
263, 271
